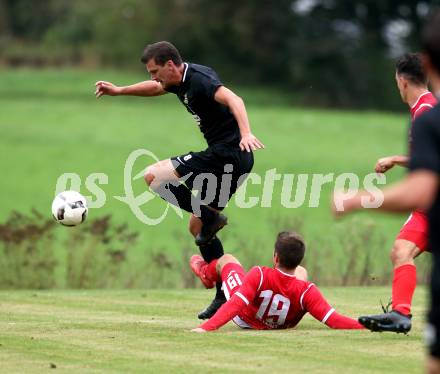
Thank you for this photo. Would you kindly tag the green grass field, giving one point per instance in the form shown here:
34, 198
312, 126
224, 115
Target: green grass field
148, 331
51, 124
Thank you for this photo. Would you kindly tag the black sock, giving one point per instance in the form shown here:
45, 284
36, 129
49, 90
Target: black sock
207, 215
212, 251
178, 195
181, 196
219, 293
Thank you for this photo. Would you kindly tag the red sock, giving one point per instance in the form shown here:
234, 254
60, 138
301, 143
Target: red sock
404, 284
211, 271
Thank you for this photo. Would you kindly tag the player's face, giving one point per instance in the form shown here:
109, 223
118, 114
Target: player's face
162, 74
401, 85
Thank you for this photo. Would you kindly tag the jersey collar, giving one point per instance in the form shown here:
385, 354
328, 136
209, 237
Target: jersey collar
418, 99
282, 272
185, 70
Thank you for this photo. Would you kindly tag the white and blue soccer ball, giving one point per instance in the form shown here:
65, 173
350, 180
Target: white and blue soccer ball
69, 208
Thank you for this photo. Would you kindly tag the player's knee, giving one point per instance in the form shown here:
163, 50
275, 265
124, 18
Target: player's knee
195, 225
224, 260
401, 253
149, 175
160, 173
192, 229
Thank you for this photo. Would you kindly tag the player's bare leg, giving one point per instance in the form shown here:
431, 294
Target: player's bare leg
404, 252
404, 284
224, 260
195, 225
159, 173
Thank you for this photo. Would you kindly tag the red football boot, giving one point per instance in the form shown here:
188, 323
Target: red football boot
198, 266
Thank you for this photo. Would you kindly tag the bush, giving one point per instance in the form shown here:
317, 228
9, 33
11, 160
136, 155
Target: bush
31, 248
97, 253
37, 253
27, 255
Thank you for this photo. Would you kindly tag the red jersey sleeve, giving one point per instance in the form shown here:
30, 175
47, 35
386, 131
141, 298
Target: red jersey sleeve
226, 312
338, 321
422, 109
313, 302
251, 284
244, 295
424, 103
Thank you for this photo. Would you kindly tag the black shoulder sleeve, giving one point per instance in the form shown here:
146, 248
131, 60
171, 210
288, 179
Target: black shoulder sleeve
425, 153
206, 85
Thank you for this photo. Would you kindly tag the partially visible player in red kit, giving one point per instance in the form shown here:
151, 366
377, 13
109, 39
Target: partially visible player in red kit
413, 237
268, 298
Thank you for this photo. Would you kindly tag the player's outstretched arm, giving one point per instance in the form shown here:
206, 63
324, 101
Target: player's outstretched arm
236, 303
340, 322
321, 310
227, 312
235, 104
416, 191
386, 163
146, 88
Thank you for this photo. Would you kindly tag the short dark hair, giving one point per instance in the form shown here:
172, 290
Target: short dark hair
431, 39
410, 66
290, 249
161, 52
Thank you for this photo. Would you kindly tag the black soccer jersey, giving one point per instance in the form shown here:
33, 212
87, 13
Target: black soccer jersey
196, 92
425, 154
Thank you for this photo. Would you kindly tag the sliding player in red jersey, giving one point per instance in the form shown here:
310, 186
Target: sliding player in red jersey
268, 298
413, 237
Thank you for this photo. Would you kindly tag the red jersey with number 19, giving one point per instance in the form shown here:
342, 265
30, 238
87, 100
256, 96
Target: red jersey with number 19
278, 300
268, 298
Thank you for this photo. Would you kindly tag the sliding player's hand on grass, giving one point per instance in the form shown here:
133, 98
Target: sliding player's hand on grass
106, 88
384, 164
250, 143
198, 330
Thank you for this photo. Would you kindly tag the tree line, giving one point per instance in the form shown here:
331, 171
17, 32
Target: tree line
326, 52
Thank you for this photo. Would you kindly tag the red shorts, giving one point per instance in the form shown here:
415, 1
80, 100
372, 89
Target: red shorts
415, 230
232, 277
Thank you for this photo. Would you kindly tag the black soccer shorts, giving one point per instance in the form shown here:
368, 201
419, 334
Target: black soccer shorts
216, 172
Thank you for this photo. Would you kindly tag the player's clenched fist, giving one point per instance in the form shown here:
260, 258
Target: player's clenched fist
384, 164
106, 88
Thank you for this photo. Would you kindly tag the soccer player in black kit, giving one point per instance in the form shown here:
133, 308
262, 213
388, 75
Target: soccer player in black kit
222, 118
